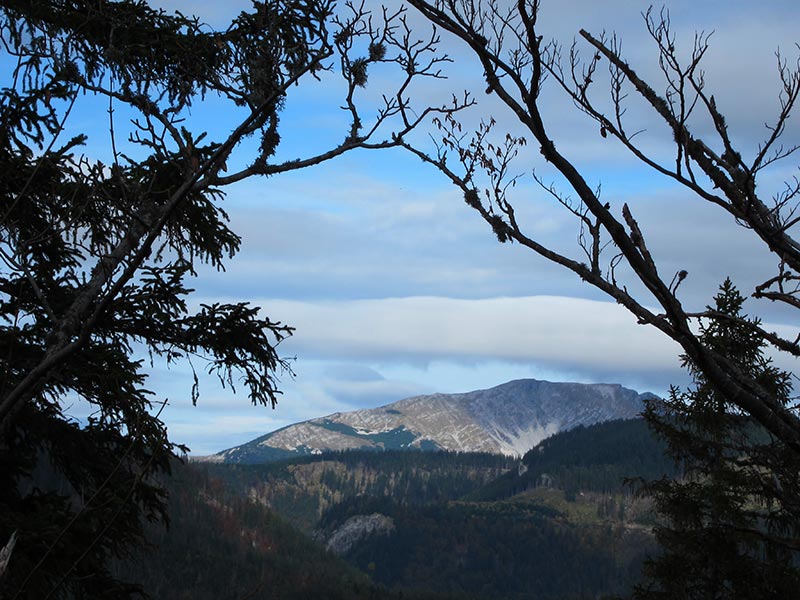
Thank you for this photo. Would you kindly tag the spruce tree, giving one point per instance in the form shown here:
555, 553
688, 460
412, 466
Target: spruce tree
729, 524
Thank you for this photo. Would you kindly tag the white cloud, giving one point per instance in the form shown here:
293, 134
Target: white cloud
547, 329
563, 334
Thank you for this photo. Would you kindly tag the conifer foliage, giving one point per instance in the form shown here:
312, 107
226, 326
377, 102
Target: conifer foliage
95, 254
730, 524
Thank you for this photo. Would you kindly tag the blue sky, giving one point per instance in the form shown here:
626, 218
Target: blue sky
397, 288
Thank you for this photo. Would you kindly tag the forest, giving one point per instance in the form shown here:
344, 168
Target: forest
250, 525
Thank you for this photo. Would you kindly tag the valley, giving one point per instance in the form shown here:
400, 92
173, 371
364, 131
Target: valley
558, 522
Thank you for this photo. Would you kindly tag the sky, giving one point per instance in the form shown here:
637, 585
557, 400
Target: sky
397, 288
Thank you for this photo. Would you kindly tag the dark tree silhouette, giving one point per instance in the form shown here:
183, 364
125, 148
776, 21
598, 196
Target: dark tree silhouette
96, 257
728, 526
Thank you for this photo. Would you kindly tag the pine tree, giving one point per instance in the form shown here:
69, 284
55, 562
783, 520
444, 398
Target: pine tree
729, 524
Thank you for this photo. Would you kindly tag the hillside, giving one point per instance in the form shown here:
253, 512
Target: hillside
222, 546
304, 489
597, 458
560, 523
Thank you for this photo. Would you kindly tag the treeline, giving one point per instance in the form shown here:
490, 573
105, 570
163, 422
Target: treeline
561, 524
568, 535
386, 460
304, 488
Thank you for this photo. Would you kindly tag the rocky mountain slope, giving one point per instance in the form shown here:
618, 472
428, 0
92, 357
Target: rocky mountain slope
509, 419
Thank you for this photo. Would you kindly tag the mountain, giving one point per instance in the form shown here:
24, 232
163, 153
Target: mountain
303, 488
508, 419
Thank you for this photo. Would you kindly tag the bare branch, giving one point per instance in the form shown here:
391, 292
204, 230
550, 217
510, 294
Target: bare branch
510, 49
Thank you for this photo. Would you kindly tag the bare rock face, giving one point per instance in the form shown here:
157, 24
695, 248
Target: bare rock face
357, 528
507, 419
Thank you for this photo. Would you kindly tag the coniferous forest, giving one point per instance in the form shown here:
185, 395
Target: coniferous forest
555, 524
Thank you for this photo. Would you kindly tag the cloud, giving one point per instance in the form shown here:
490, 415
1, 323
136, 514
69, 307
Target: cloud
364, 353
372, 225
368, 394
222, 419
545, 329
352, 373
562, 334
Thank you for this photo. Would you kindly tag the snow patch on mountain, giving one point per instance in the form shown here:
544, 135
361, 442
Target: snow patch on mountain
517, 443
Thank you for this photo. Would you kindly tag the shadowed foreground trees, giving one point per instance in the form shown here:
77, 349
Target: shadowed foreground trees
612, 254
728, 526
96, 256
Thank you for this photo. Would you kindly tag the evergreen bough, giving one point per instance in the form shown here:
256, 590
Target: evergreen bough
730, 523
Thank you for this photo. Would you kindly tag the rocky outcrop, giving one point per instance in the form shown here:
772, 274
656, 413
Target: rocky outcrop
356, 529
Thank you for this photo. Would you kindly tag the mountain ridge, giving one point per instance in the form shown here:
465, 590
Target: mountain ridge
508, 419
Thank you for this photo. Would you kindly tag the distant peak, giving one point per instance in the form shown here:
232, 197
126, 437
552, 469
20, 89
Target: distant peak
509, 418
